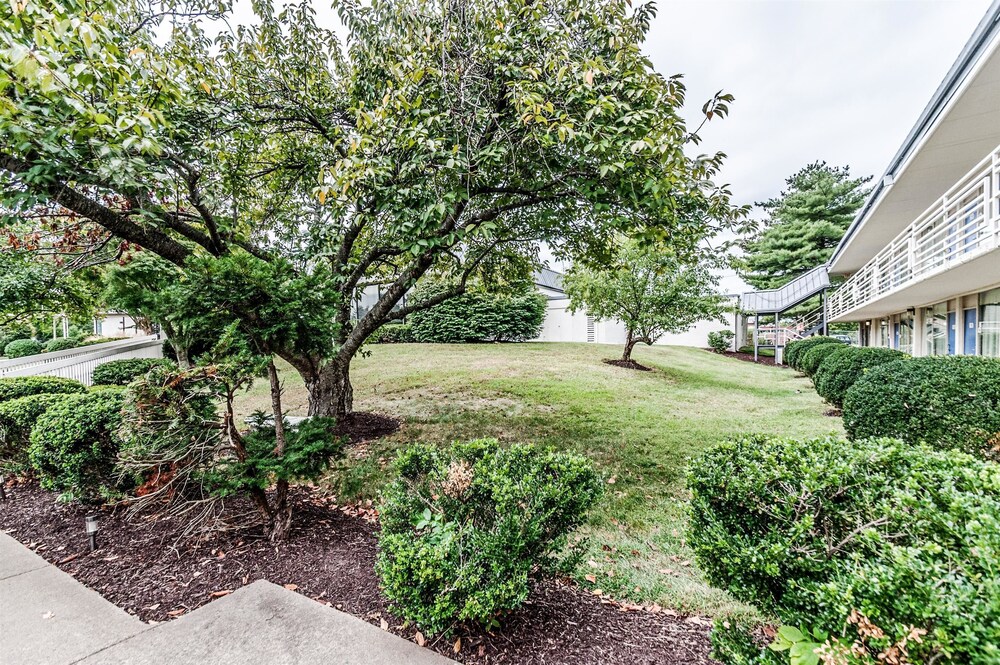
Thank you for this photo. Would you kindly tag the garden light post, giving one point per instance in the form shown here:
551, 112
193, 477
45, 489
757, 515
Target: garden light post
91, 528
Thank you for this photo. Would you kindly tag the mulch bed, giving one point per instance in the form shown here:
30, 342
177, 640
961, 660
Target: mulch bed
628, 364
748, 357
361, 426
330, 558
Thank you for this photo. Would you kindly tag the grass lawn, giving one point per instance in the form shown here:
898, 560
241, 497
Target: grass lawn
641, 428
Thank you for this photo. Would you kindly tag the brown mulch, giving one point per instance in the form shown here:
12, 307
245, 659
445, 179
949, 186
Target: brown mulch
748, 357
330, 558
833, 413
628, 364
359, 426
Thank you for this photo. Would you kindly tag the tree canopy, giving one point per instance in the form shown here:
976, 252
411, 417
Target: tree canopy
804, 224
284, 171
650, 291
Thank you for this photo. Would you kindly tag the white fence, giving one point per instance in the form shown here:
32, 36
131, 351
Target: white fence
960, 226
79, 363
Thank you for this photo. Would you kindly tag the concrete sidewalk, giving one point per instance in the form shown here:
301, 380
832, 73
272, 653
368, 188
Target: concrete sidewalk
48, 618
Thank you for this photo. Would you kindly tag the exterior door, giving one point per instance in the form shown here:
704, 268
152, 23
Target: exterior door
895, 336
952, 324
970, 317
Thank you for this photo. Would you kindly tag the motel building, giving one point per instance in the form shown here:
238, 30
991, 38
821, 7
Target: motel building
921, 262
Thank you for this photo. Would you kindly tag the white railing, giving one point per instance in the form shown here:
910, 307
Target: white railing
783, 298
79, 363
962, 225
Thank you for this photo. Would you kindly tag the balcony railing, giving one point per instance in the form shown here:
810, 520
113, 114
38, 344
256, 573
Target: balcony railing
960, 226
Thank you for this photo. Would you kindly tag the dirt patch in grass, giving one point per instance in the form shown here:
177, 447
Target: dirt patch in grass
359, 426
833, 413
628, 364
330, 558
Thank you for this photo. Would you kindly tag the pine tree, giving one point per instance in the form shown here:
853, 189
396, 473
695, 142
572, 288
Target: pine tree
804, 224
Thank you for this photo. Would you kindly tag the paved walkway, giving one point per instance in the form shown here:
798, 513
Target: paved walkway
48, 618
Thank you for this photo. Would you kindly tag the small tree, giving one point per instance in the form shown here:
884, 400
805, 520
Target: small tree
651, 292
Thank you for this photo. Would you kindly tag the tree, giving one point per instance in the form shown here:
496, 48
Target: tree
804, 225
650, 291
283, 171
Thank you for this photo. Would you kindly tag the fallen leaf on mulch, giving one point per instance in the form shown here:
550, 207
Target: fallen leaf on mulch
419, 637
220, 593
291, 587
458, 645
384, 624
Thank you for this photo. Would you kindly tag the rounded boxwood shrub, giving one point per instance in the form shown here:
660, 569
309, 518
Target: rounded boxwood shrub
842, 368
946, 402
813, 357
465, 531
22, 386
479, 317
61, 344
833, 537
123, 372
17, 418
795, 350
74, 444
20, 348
392, 333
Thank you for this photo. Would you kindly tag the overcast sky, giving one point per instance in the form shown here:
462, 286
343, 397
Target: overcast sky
835, 80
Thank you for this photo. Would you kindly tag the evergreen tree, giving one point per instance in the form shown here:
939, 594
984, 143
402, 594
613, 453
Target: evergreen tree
804, 224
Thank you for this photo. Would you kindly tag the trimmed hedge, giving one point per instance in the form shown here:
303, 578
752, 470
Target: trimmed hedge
841, 369
810, 359
22, 386
480, 317
20, 348
74, 444
17, 418
832, 536
123, 372
946, 402
61, 344
465, 531
392, 333
795, 350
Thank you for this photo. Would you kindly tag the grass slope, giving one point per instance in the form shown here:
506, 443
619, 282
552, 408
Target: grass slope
640, 427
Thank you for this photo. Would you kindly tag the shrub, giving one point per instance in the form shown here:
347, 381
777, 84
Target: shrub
813, 357
946, 402
20, 348
17, 418
123, 372
480, 317
833, 537
74, 444
795, 350
842, 368
464, 531
720, 340
22, 386
392, 333
61, 344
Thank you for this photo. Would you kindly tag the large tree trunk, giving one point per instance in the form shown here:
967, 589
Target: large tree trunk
630, 342
330, 390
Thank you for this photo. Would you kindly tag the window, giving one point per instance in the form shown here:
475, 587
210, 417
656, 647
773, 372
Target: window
883, 333
936, 330
905, 334
989, 323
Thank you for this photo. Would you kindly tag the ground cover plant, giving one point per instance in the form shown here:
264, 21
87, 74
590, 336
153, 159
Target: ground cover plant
639, 429
869, 552
946, 402
466, 531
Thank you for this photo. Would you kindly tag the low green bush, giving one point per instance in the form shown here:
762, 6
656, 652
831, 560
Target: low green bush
17, 418
20, 348
842, 368
22, 386
946, 402
479, 317
74, 444
795, 349
466, 530
61, 344
810, 359
834, 538
123, 372
720, 340
392, 333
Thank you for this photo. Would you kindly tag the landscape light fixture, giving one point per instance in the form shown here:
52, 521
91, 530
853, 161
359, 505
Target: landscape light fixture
91, 527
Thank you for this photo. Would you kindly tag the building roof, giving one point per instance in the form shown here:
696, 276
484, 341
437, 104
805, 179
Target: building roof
552, 280
980, 46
